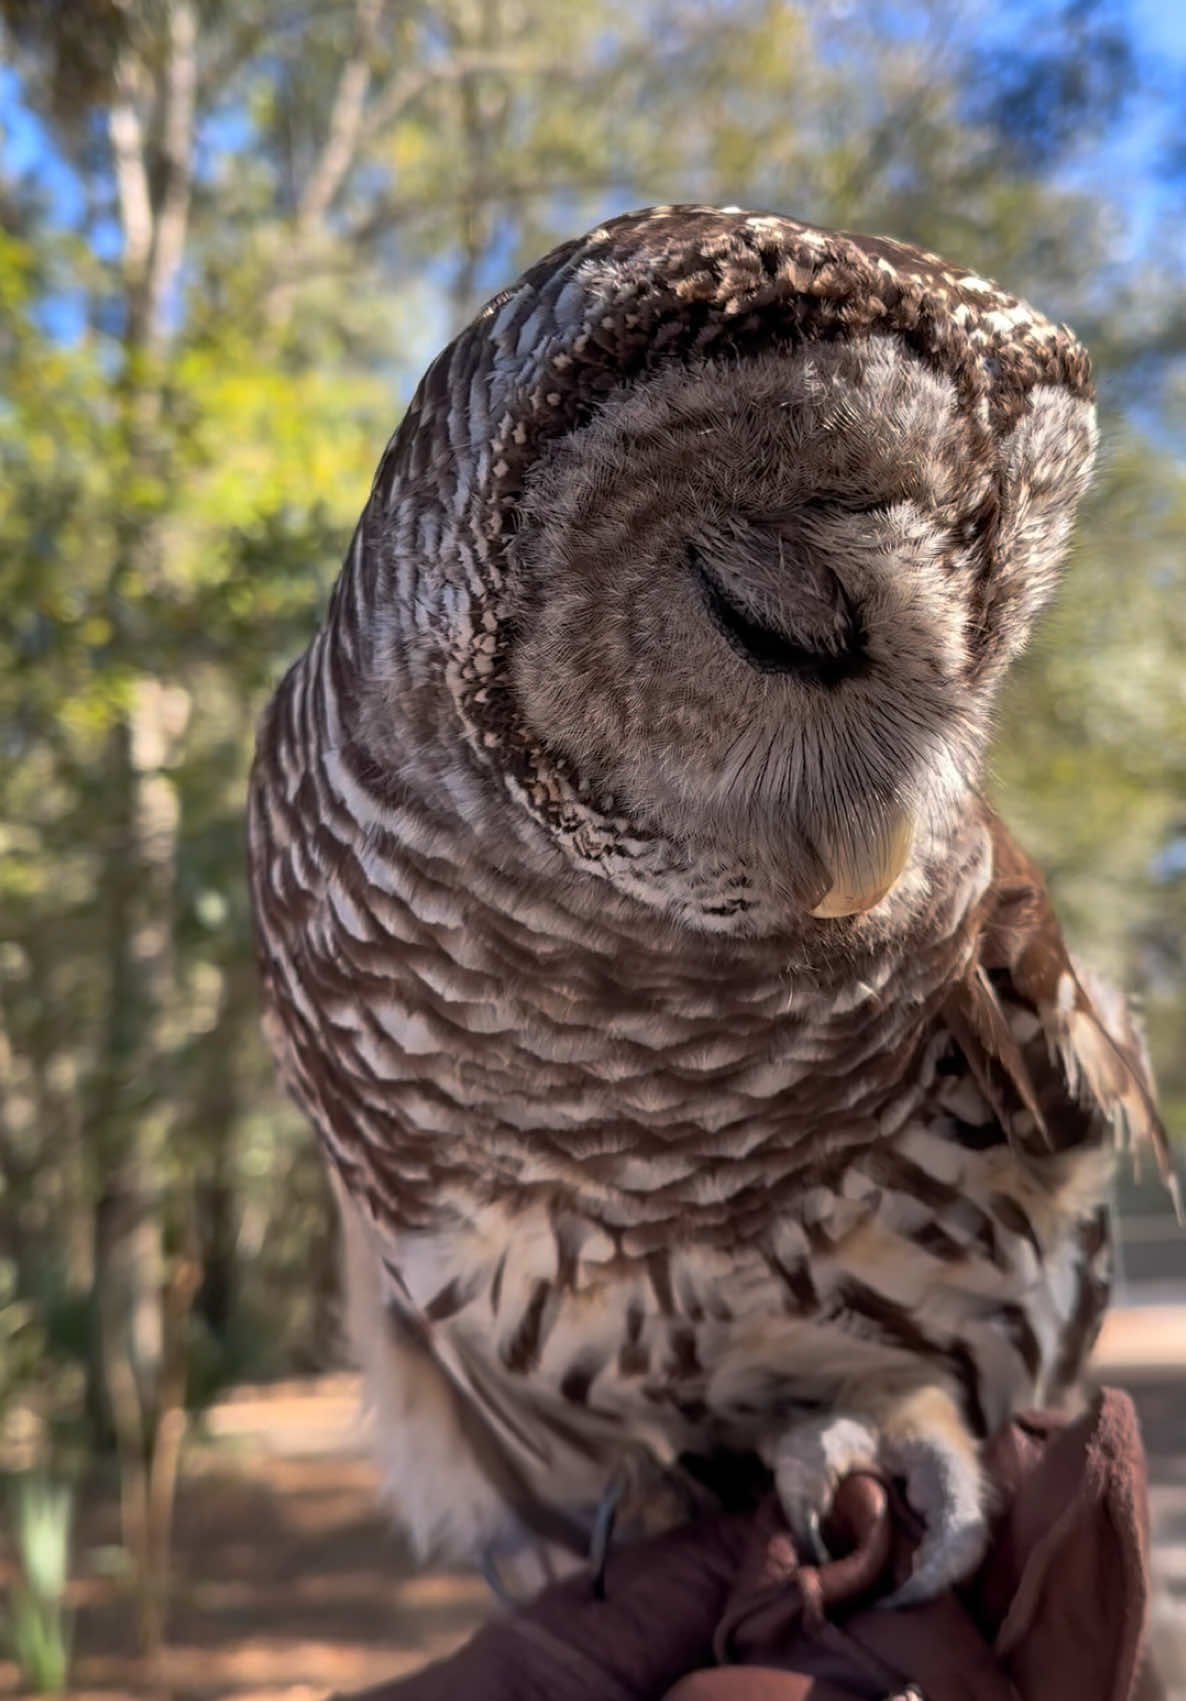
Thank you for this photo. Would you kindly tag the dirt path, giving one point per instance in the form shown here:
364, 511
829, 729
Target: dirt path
289, 1583
288, 1580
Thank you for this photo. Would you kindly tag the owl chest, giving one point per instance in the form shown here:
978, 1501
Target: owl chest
664, 1079
921, 1260
679, 1101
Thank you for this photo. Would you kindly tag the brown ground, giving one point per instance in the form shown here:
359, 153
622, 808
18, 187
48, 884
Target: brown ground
288, 1583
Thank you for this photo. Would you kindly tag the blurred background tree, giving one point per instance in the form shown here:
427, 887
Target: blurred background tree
231, 235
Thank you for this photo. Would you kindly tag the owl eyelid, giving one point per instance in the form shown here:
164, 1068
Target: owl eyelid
769, 650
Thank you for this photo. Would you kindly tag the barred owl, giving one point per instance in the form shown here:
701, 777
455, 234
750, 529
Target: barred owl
698, 1060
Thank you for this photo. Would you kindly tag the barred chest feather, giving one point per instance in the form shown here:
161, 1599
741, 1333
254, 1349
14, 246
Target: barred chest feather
629, 1191
929, 1248
470, 1024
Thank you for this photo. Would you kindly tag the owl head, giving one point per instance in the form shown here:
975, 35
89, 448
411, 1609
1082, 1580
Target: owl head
753, 520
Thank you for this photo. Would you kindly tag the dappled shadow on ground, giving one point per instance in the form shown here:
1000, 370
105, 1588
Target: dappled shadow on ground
288, 1582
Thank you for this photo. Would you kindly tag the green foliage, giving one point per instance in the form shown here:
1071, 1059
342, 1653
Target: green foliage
182, 467
21, 1338
37, 1622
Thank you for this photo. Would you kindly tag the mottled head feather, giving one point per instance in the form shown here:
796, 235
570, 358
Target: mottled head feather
824, 433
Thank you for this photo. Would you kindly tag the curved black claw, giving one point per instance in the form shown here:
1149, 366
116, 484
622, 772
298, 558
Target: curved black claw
604, 1520
821, 1554
494, 1580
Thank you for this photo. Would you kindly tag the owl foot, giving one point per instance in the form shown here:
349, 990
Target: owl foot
810, 1461
920, 1440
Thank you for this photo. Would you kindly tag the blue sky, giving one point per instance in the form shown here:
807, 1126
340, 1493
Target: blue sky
1161, 25
1124, 163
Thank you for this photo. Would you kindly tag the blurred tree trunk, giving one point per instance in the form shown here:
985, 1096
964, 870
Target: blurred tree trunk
140, 1307
217, 1104
478, 32
138, 1380
217, 1227
127, 1259
326, 1327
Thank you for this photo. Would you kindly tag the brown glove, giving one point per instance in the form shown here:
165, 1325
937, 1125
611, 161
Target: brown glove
722, 1610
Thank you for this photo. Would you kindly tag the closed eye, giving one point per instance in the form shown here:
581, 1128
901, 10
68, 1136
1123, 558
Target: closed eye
845, 505
770, 650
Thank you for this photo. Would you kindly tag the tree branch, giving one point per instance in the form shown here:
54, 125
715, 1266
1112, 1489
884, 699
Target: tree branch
407, 88
390, 215
126, 135
168, 245
352, 122
337, 156
394, 215
345, 125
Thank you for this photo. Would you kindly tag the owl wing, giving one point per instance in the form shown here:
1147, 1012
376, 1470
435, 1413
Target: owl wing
1056, 1053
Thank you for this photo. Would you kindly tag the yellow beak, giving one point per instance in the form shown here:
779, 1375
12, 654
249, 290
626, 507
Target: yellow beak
863, 873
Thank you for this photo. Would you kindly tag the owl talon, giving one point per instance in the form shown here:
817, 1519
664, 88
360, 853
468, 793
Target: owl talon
944, 1485
922, 1442
809, 1462
495, 1581
816, 1545
604, 1520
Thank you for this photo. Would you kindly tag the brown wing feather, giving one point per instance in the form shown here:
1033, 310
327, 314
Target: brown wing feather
1089, 1071
981, 1029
